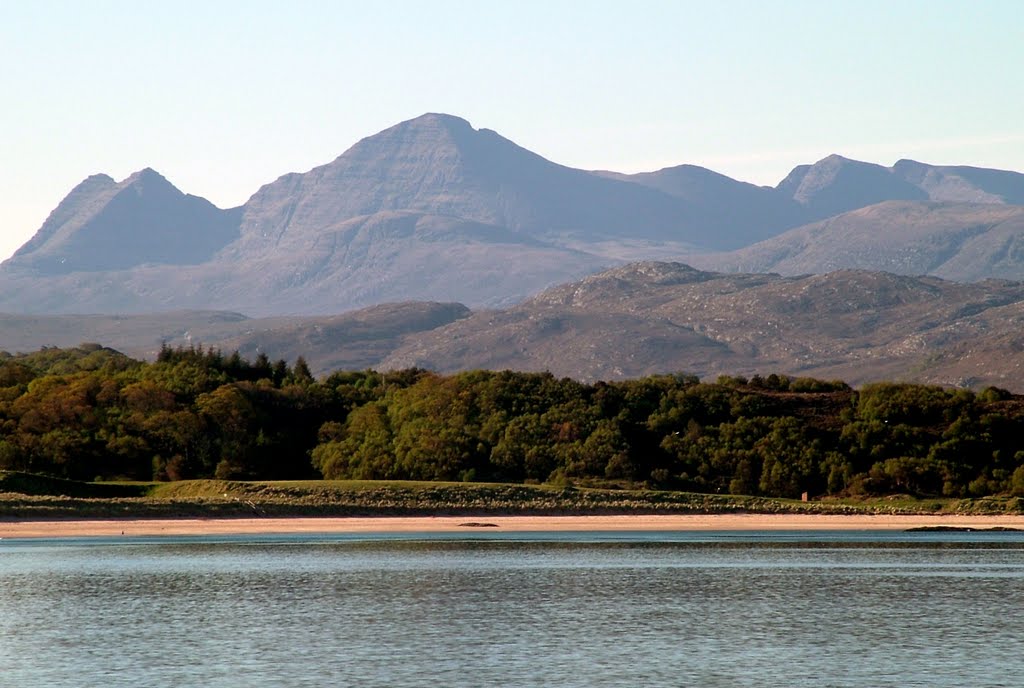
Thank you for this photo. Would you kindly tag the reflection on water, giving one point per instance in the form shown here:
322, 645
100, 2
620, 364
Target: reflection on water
637, 609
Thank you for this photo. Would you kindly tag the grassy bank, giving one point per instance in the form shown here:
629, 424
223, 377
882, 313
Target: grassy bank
25, 496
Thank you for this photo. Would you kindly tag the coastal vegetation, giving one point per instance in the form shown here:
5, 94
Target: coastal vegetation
92, 414
31, 496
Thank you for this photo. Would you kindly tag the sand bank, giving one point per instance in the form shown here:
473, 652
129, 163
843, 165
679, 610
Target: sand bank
441, 524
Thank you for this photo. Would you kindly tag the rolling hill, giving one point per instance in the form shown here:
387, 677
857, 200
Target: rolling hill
638, 319
647, 318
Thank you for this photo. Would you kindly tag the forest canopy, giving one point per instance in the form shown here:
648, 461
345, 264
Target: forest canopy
92, 413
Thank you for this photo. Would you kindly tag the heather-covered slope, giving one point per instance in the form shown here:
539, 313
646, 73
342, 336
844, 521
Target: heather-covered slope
639, 319
649, 318
351, 341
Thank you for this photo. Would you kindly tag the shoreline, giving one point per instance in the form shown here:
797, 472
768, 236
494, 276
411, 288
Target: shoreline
115, 527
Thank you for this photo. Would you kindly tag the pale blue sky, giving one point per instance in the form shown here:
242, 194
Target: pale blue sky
221, 97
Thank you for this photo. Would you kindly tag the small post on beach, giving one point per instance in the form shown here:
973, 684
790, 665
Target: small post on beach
803, 497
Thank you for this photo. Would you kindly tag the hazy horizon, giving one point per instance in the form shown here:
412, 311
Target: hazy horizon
222, 99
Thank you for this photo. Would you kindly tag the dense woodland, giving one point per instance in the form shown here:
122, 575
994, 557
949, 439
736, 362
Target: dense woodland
91, 413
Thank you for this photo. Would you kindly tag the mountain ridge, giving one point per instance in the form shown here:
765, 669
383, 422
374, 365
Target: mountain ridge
964, 242
418, 164
434, 209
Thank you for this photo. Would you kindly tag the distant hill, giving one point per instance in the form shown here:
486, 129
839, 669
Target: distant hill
434, 209
956, 241
642, 318
836, 185
352, 341
963, 184
647, 318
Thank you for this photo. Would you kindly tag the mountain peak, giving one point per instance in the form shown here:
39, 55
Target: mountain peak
146, 173
150, 183
108, 225
438, 164
95, 180
912, 171
433, 130
836, 184
908, 163
430, 119
961, 183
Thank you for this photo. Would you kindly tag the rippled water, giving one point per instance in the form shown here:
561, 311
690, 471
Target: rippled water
495, 609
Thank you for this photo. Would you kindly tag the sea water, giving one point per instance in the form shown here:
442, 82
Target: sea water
500, 609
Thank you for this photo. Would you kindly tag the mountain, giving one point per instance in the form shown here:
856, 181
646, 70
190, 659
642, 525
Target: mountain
836, 184
963, 184
368, 260
428, 209
955, 241
737, 212
433, 209
647, 318
103, 225
438, 165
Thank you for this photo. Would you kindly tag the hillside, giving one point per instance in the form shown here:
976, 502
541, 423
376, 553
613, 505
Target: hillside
647, 318
352, 341
428, 209
956, 241
439, 165
639, 319
836, 185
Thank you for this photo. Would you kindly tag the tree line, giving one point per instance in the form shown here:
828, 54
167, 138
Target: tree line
92, 413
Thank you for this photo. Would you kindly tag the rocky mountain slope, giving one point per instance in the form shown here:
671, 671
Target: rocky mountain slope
438, 165
103, 226
434, 209
835, 185
648, 318
638, 319
958, 223
959, 183
956, 241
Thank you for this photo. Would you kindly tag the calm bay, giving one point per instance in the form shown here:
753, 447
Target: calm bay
515, 609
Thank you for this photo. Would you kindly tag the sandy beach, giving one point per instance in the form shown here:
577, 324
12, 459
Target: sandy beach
442, 524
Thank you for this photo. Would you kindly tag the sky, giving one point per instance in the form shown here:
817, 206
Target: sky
222, 97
